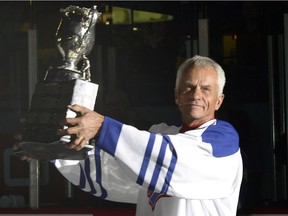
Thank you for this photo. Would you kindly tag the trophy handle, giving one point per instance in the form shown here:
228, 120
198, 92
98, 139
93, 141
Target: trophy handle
86, 75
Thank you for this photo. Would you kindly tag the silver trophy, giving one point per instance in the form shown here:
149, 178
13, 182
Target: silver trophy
64, 84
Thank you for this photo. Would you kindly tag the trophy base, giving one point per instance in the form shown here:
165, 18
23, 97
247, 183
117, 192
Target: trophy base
49, 107
52, 151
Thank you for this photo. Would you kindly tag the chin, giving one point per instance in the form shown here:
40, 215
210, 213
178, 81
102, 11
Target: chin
192, 117
195, 114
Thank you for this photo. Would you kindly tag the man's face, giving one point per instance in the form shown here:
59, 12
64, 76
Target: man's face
197, 97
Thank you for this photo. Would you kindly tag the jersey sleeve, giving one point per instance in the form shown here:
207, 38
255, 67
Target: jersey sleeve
100, 175
203, 164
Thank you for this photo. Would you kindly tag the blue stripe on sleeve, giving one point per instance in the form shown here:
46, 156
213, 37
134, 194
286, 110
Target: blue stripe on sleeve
109, 135
146, 159
85, 175
223, 138
154, 196
158, 166
171, 167
82, 181
99, 173
88, 177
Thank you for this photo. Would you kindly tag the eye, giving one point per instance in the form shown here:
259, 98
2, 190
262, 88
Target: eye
186, 89
206, 89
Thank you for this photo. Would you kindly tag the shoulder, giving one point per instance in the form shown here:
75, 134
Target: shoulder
223, 137
224, 125
220, 127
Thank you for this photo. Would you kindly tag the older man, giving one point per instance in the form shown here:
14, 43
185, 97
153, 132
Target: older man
195, 169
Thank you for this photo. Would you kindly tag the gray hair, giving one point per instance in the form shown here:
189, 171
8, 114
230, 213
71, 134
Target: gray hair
201, 62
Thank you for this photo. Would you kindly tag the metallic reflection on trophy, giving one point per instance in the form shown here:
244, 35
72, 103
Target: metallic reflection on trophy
64, 84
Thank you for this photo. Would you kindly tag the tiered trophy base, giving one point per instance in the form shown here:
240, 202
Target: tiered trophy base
48, 108
53, 150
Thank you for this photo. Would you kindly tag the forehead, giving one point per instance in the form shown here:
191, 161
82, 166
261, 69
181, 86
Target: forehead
207, 74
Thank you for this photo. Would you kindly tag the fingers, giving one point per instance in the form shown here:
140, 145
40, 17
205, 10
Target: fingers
69, 130
24, 157
78, 109
85, 126
78, 143
70, 121
17, 136
18, 150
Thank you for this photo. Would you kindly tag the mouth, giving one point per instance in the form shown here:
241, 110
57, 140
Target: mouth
192, 105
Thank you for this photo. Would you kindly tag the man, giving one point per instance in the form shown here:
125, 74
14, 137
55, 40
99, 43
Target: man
195, 169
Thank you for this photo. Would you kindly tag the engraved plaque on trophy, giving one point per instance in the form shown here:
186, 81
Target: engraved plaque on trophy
64, 84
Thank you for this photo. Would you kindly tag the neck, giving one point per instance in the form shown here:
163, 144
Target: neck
185, 127
196, 122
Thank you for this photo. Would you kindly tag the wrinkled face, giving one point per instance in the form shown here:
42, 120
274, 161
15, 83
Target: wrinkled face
197, 97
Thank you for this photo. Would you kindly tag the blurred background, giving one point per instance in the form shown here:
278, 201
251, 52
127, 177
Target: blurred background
139, 46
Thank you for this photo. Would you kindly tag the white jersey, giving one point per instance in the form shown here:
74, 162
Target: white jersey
167, 173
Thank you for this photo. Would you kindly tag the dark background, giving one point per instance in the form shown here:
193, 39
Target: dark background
138, 90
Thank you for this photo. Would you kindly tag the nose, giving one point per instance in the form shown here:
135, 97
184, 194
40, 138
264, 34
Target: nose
196, 93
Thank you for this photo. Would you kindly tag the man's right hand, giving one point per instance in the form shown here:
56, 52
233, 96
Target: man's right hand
17, 148
85, 126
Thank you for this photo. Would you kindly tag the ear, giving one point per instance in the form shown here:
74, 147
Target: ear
219, 101
176, 96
